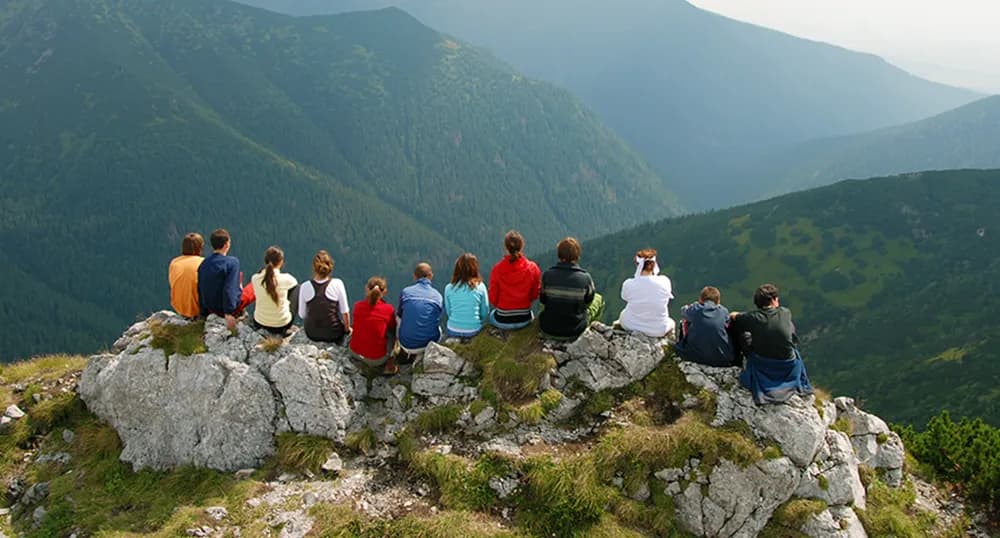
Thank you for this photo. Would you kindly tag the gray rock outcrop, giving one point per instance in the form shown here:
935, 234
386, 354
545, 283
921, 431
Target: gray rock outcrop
222, 408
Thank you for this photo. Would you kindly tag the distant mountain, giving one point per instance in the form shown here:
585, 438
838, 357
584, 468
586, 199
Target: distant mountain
894, 282
695, 92
967, 137
126, 123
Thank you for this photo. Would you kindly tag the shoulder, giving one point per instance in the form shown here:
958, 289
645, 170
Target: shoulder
481, 287
232, 261
288, 280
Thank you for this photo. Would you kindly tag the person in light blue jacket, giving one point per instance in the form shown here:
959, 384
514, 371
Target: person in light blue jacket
465, 299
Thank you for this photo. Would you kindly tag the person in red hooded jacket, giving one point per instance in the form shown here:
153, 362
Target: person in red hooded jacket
515, 283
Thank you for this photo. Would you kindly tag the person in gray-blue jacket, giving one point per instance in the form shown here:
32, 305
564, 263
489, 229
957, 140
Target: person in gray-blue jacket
705, 338
419, 312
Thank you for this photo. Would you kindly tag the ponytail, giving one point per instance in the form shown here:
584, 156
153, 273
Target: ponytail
375, 289
272, 260
514, 243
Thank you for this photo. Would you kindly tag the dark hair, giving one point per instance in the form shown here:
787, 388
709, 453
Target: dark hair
322, 264
422, 270
272, 259
764, 295
466, 271
568, 250
648, 254
514, 243
375, 289
709, 293
192, 244
219, 238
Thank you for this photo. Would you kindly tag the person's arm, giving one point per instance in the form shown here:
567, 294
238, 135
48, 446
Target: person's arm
484, 303
303, 299
591, 291
342, 301
447, 300
537, 292
231, 289
494, 290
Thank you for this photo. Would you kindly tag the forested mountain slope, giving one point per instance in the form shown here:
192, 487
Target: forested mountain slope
967, 137
695, 92
893, 282
126, 123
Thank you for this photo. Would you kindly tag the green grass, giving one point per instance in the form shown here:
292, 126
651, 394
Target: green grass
187, 339
298, 453
362, 441
656, 448
341, 521
891, 512
512, 369
562, 497
38, 369
439, 419
843, 425
463, 485
789, 518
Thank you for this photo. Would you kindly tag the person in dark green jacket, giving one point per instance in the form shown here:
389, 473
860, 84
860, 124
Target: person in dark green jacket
569, 299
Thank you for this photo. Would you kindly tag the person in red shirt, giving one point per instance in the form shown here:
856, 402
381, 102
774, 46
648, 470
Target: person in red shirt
515, 283
373, 327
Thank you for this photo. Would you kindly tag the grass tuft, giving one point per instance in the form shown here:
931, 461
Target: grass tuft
789, 518
843, 425
562, 497
363, 441
463, 485
439, 419
512, 368
271, 344
298, 453
187, 339
671, 447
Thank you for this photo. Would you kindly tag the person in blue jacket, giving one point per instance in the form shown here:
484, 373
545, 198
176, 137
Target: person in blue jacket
705, 338
219, 286
419, 312
466, 300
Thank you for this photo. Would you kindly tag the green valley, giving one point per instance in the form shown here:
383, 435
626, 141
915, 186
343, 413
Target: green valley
125, 124
893, 282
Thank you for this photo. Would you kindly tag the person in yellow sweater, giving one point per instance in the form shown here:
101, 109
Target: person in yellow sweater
183, 276
273, 311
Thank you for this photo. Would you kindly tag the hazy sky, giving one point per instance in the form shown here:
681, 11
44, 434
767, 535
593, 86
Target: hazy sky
951, 41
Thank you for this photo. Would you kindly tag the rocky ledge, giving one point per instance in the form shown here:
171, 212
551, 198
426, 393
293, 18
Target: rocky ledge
223, 406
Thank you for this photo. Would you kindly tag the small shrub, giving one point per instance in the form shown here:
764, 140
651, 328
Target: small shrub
881, 439
843, 425
299, 453
363, 441
789, 518
187, 339
438, 419
772, 452
550, 399
531, 413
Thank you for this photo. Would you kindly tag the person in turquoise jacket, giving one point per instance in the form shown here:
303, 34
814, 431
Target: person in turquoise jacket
465, 299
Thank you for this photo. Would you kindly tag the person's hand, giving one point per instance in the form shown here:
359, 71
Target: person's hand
732, 315
231, 322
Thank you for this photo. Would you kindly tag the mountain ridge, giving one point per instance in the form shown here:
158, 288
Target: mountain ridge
131, 122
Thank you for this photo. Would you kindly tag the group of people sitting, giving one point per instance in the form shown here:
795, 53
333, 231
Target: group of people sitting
382, 335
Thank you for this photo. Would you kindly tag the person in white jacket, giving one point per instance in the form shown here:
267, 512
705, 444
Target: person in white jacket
647, 296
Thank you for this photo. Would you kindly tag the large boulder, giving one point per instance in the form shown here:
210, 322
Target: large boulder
204, 410
735, 501
611, 360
